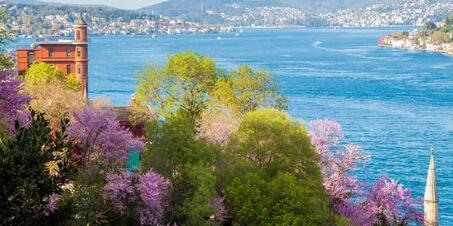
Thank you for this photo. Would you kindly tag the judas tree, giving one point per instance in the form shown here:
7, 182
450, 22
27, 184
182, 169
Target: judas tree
337, 159
100, 137
143, 196
13, 103
386, 202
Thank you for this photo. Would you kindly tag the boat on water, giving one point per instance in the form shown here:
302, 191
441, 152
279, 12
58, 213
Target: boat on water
219, 38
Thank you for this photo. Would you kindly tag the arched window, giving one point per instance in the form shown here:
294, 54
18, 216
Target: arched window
68, 52
78, 69
68, 69
77, 35
78, 52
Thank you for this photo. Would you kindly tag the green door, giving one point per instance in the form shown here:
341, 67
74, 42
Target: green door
133, 162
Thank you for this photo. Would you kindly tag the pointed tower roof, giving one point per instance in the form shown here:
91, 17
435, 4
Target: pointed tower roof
431, 198
80, 20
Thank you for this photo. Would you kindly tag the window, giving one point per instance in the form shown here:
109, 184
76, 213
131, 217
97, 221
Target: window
77, 35
78, 69
31, 58
68, 52
50, 50
68, 69
78, 52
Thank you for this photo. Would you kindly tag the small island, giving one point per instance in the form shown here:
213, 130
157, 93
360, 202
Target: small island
433, 37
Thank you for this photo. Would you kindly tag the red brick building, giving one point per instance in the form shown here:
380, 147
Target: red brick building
70, 56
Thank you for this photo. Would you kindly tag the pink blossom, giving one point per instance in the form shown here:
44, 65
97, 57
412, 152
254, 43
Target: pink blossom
144, 196
216, 127
13, 103
336, 158
119, 189
392, 203
99, 135
51, 206
384, 203
153, 191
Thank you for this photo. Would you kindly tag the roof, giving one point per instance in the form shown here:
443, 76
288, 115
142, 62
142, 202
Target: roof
80, 20
122, 112
55, 43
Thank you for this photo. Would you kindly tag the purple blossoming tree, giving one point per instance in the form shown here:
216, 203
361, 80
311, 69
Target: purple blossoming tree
99, 135
336, 159
13, 103
153, 190
144, 195
386, 202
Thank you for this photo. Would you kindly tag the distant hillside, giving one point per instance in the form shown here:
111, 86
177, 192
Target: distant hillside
195, 8
183, 7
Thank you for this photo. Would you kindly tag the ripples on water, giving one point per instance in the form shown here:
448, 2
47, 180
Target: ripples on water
394, 103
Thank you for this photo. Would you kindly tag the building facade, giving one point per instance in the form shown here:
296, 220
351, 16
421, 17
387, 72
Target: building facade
70, 56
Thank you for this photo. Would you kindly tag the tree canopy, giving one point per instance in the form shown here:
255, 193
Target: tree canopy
190, 83
183, 84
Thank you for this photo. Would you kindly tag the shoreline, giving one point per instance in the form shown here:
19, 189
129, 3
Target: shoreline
416, 50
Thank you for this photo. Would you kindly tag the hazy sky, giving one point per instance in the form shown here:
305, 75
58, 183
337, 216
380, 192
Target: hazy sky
123, 4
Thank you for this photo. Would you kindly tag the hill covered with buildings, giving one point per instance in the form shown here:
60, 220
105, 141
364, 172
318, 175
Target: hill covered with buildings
435, 37
31, 17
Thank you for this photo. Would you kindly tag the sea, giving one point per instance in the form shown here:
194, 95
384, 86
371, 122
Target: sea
394, 103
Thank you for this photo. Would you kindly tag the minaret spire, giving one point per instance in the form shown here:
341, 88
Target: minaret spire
431, 199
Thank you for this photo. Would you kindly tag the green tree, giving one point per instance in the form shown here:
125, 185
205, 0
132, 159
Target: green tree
270, 167
254, 199
183, 84
173, 146
176, 153
270, 140
42, 73
193, 191
72, 83
33, 166
245, 90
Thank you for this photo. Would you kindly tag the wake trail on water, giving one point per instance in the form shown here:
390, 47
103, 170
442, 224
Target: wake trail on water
347, 52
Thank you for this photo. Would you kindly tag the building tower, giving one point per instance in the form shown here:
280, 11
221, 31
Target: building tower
431, 200
81, 50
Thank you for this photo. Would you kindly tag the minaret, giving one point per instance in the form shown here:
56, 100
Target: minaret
431, 200
81, 49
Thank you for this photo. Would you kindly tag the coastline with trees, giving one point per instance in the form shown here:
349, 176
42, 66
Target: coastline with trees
433, 37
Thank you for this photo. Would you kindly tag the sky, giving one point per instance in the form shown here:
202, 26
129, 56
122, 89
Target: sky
122, 4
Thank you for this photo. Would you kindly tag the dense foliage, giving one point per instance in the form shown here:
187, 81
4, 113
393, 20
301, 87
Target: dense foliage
33, 166
219, 150
191, 83
64, 97
273, 171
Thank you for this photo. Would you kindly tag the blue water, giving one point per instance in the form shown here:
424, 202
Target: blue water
394, 103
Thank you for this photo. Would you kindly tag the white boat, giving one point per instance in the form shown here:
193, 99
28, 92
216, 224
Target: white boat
219, 38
